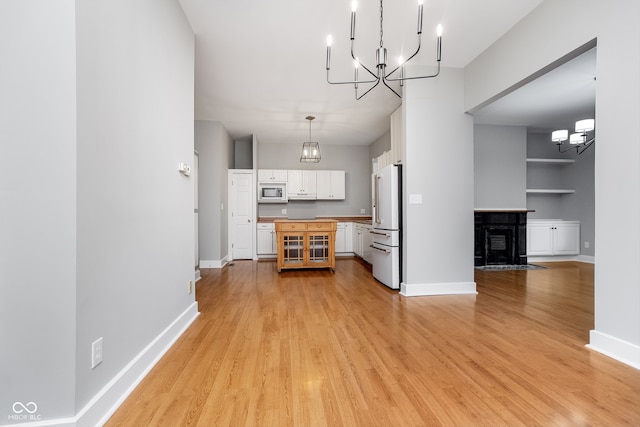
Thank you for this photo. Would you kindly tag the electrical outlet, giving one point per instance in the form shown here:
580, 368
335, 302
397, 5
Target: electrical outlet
284, 211
586, 245
96, 353
190, 287
362, 211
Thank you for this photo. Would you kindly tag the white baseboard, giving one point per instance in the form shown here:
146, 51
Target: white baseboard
425, 289
620, 350
219, 263
103, 405
586, 259
560, 258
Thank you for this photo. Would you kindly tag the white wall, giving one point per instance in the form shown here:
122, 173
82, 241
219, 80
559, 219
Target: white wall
438, 251
216, 149
523, 52
500, 167
37, 206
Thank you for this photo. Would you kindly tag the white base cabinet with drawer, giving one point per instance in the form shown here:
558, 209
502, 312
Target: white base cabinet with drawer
266, 236
344, 239
553, 237
362, 241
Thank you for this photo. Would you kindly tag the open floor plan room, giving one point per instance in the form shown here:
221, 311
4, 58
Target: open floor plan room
317, 348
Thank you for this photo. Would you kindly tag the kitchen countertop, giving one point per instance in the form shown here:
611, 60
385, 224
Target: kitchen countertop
364, 219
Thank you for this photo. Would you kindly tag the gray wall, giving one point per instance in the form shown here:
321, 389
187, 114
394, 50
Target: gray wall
380, 145
135, 219
243, 153
579, 206
500, 167
97, 223
438, 233
38, 207
216, 150
353, 159
517, 57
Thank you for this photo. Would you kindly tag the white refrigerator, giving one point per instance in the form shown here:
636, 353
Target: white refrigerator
386, 231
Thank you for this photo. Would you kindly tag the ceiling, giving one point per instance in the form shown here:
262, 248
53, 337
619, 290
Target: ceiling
260, 64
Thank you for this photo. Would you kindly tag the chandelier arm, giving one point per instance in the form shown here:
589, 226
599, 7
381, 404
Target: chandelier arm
585, 146
368, 90
353, 56
404, 62
351, 82
417, 77
390, 88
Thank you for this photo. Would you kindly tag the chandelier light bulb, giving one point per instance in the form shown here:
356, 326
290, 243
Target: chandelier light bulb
400, 60
439, 30
329, 40
559, 135
420, 2
356, 63
586, 125
354, 5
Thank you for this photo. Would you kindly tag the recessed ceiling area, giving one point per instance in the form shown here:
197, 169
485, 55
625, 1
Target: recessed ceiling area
555, 100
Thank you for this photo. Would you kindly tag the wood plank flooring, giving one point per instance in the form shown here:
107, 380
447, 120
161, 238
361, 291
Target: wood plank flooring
314, 348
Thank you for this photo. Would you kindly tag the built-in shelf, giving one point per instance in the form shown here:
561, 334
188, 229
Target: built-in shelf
549, 191
551, 161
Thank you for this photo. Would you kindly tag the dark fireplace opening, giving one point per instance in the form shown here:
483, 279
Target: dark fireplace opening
500, 238
499, 247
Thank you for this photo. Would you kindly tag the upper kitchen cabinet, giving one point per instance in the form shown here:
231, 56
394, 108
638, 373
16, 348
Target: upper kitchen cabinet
397, 137
301, 184
330, 185
272, 175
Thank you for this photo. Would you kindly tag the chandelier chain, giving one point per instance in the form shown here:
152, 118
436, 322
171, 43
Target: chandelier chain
381, 14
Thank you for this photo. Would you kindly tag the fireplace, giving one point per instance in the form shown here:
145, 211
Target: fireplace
500, 238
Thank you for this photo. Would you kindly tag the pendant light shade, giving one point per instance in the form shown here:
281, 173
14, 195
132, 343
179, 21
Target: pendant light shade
310, 150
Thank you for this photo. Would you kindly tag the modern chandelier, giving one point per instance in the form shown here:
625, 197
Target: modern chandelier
310, 150
579, 140
381, 57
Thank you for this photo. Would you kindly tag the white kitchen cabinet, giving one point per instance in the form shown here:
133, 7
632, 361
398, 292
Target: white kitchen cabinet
272, 175
550, 237
340, 238
301, 184
397, 136
330, 185
266, 236
362, 241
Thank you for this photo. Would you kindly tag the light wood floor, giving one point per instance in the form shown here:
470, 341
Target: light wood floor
313, 348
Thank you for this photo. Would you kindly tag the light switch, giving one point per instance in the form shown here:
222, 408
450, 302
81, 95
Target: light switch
415, 199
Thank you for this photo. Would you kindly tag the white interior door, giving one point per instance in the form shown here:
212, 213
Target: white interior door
242, 225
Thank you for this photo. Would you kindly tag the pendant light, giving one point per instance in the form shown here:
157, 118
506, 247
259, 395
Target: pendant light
310, 150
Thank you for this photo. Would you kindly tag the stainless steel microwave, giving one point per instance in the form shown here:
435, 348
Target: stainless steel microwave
272, 193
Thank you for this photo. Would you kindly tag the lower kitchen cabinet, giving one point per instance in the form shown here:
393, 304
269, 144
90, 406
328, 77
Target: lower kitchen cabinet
549, 237
266, 236
362, 241
344, 238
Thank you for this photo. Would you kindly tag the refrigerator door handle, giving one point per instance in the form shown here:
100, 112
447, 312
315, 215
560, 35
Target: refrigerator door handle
386, 251
376, 193
377, 233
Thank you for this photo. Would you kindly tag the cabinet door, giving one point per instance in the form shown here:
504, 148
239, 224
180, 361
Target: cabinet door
366, 245
340, 238
539, 239
264, 175
264, 242
348, 237
323, 185
309, 180
566, 239
279, 175
337, 185
294, 181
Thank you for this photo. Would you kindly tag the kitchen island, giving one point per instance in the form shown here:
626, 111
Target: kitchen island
305, 243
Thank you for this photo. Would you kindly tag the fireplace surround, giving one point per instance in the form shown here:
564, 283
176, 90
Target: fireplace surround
500, 238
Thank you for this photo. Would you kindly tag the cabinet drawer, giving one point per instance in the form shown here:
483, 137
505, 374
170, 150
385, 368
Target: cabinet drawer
314, 226
292, 226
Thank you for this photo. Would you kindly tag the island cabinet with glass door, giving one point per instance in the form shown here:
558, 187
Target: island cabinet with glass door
306, 243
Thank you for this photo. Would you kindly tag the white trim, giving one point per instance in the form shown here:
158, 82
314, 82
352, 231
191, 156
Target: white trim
103, 405
586, 259
620, 350
424, 289
219, 263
